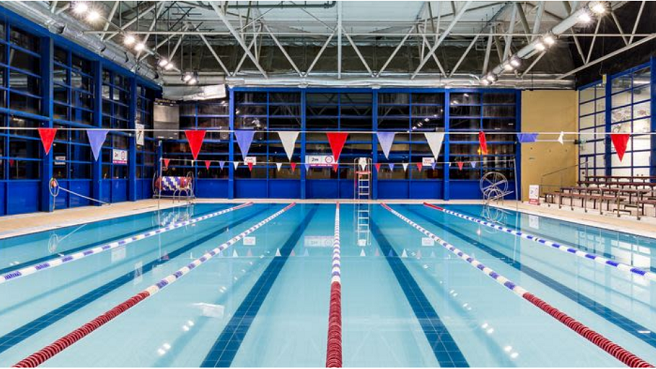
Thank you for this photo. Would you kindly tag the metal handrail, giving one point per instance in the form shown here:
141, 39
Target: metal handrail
560, 171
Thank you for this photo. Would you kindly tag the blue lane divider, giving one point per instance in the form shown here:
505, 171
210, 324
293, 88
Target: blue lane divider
225, 347
16, 274
565, 248
444, 347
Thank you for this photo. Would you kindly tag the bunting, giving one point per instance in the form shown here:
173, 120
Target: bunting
250, 166
473, 164
527, 137
166, 163
221, 164
335, 167
307, 167
207, 164
435, 140
336, 141
405, 167
386, 139
236, 164
278, 165
377, 166
620, 142
460, 164
483, 142
195, 139
288, 139
96, 139
391, 166
561, 137
433, 165
419, 166
244, 140
293, 165
47, 137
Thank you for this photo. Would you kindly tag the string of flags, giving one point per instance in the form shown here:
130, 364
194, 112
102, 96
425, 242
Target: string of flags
336, 141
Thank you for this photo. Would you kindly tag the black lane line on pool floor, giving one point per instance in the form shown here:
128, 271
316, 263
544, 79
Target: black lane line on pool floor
610, 315
444, 347
29, 329
225, 347
89, 246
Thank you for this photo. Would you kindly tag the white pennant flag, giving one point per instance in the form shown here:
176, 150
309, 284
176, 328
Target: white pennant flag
405, 167
288, 139
279, 165
561, 137
236, 164
435, 142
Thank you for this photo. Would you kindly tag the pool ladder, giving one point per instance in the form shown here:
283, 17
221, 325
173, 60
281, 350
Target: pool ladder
362, 196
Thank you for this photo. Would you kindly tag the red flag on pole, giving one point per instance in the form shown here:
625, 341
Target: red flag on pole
377, 165
207, 164
166, 163
336, 141
483, 142
460, 164
620, 141
335, 166
419, 166
250, 167
195, 139
47, 137
293, 165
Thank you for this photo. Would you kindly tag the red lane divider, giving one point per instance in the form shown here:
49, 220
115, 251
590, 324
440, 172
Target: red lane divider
334, 350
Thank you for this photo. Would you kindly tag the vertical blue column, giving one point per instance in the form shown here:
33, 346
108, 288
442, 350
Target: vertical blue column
231, 148
303, 129
447, 140
608, 170
47, 49
132, 141
652, 167
374, 143
96, 166
518, 147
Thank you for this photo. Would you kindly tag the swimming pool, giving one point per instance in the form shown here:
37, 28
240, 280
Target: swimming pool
264, 300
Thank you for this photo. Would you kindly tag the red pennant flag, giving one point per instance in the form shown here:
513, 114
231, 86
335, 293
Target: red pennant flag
47, 137
483, 142
166, 163
293, 165
335, 166
195, 139
620, 141
419, 166
460, 164
336, 140
377, 165
207, 164
250, 167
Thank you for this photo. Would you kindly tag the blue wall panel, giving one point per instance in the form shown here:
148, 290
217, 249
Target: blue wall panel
106, 190
83, 188
426, 189
61, 201
251, 188
322, 189
465, 190
3, 205
346, 190
119, 190
22, 196
211, 188
393, 189
285, 189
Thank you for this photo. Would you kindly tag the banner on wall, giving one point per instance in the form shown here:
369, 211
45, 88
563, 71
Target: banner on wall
250, 160
140, 133
534, 194
427, 162
120, 156
319, 160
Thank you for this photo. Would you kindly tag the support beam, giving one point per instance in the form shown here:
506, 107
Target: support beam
110, 17
488, 51
619, 27
637, 21
464, 55
357, 51
339, 40
594, 39
316, 58
396, 50
216, 56
522, 19
538, 20
511, 29
236, 35
284, 52
132, 21
243, 58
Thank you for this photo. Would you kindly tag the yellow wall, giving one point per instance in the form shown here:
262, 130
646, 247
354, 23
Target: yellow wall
549, 111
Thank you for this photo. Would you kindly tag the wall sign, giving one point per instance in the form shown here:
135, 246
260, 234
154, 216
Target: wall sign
59, 160
140, 133
250, 160
119, 156
427, 162
534, 194
320, 160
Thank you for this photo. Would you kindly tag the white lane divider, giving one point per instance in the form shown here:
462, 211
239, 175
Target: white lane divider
597, 339
19, 273
565, 248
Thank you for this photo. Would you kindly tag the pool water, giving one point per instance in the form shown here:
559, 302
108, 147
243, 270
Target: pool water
406, 301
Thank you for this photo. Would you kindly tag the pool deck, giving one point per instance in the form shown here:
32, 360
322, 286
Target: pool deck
16, 225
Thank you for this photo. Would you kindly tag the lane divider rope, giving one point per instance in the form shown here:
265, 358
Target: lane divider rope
597, 339
64, 342
334, 351
568, 249
19, 273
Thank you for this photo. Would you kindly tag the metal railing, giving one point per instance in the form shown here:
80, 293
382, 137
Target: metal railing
555, 180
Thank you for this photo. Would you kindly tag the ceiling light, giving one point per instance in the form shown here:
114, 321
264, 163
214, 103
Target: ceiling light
598, 8
491, 77
485, 82
509, 67
169, 66
539, 46
515, 61
193, 81
140, 46
187, 77
80, 7
163, 62
93, 16
585, 18
129, 39
549, 40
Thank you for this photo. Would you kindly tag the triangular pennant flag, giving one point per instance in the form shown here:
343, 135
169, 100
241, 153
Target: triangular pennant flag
250, 166
620, 141
236, 164
234, 253
307, 167
288, 139
391, 166
483, 142
460, 164
221, 164
207, 164
47, 137
336, 141
561, 138
433, 165
527, 137
434, 142
405, 166
362, 253
166, 163
419, 166
293, 165
473, 164
278, 252
377, 166
335, 166
244, 140
96, 139
195, 139
404, 254
279, 165
386, 139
